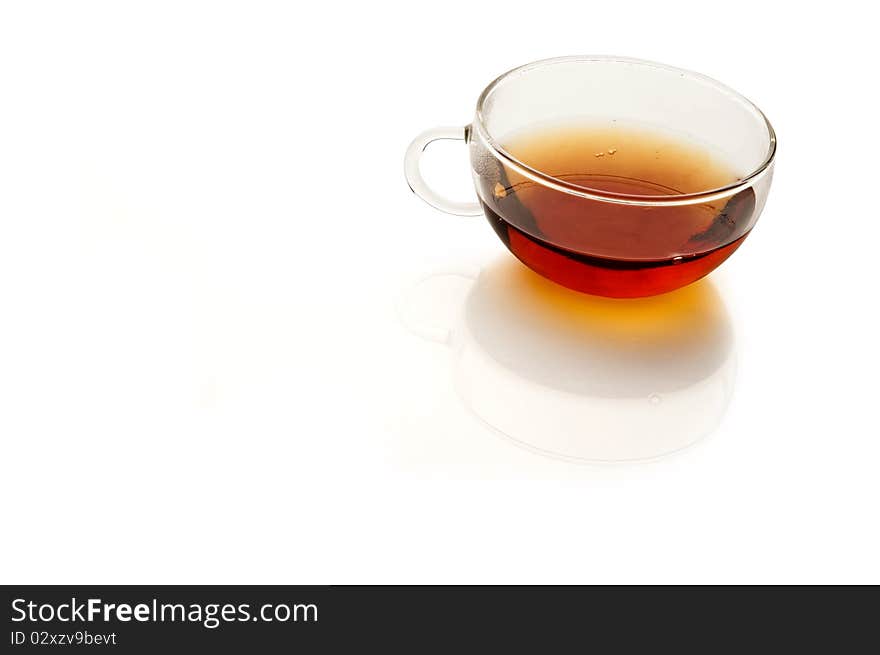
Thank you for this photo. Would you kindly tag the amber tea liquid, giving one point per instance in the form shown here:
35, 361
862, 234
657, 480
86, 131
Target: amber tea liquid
617, 250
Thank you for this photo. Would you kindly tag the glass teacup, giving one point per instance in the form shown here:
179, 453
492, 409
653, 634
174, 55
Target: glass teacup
572, 160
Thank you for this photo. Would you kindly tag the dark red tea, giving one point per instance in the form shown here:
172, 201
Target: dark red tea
604, 248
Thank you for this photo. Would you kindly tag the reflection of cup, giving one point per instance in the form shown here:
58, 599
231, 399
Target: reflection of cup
589, 378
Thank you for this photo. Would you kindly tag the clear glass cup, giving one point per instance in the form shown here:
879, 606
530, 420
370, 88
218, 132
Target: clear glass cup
611, 90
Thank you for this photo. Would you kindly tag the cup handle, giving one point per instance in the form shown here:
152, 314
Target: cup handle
417, 182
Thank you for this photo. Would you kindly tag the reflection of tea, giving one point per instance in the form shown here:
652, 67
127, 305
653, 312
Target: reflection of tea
614, 249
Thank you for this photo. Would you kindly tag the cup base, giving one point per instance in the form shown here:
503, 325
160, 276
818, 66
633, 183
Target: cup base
601, 276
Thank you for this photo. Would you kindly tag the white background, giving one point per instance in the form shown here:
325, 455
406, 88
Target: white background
204, 229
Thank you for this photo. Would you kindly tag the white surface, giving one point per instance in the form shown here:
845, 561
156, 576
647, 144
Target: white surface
203, 231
